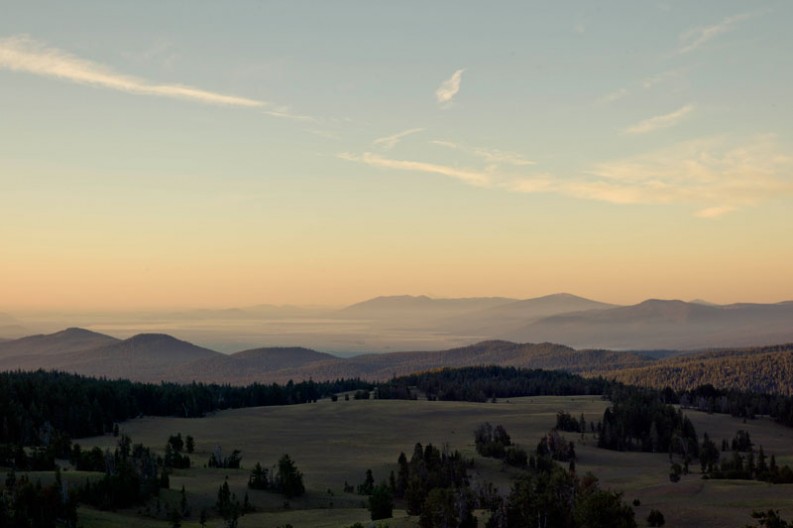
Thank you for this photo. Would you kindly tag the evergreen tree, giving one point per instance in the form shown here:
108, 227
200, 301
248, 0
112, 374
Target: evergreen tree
366, 487
259, 478
381, 502
656, 518
402, 476
289, 479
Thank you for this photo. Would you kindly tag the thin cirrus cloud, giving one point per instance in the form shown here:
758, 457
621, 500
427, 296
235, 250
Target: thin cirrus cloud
616, 95
715, 212
449, 88
389, 142
715, 176
646, 83
663, 77
489, 155
23, 54
472, 177
697, 37
661, 121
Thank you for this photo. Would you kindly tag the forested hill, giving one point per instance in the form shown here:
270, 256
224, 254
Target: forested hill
762, 369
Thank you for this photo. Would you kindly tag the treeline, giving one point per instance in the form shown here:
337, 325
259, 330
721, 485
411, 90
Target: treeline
485, 383
741, 404
480, 384
38, 408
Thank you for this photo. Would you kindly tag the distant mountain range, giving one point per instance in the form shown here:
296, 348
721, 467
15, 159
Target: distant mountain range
408, 306
585, 323
666, 324
420, 323
160, 357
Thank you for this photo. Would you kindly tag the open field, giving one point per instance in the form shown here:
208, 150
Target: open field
334, 442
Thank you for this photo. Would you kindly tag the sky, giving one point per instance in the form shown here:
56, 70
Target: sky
216, 154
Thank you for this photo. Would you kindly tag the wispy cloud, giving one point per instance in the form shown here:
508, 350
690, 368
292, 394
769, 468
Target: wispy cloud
697, 37
389, 142
665, 76
714, 176
662, 121
472, 177
715, 212
286, 113
23, 54
616, 95
647, 83
536, 183
489, 155
499, 157
449, 88
445, 143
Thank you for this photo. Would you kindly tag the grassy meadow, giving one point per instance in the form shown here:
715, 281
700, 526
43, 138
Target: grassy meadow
334, 442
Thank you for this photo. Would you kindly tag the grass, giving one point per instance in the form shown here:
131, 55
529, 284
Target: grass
334, 442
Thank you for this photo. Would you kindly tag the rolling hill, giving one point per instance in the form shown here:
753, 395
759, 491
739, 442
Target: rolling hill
261, 364
762, 369
38, 351
143, 357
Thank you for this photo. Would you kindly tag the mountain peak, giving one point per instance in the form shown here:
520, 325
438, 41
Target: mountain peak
146, 339
143, 336
422, 305
670, 308
703, 302
562, 296
159, 347
77, 332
